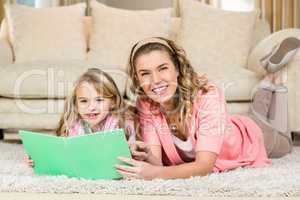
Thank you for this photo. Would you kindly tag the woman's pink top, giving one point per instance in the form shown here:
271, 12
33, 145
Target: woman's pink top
237, 140
111, 123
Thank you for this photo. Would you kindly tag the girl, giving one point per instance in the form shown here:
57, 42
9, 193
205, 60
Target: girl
184, 121
94, 105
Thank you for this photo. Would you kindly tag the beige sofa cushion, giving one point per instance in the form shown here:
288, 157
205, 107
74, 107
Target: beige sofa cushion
46, 33
116, 30
29, 121
49, 120
238, 84
48, 79
175, 26
32, 106
261, 31
234, 108
266, 46
6, 56
215, 38
4, 30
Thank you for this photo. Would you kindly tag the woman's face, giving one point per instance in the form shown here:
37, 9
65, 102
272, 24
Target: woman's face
157, 76
91, 106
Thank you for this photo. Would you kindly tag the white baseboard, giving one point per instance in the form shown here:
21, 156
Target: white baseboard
11, 136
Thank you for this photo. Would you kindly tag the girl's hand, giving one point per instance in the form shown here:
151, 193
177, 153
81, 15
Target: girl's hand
140, 151
28, 160
138, 169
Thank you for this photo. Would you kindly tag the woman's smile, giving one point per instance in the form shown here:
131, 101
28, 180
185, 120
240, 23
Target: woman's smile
157, 76
160, 90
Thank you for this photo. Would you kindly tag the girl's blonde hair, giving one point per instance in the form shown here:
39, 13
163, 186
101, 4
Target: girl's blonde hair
104, 85
189, 82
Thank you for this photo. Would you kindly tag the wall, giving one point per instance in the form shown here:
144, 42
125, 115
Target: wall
139, 4
126, 4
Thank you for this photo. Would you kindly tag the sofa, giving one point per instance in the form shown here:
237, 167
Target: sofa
43, 51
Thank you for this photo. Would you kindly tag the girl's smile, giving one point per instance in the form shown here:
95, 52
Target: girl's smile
92, 107
91, 116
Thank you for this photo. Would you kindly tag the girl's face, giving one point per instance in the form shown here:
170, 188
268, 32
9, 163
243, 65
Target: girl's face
157, 75
92, 107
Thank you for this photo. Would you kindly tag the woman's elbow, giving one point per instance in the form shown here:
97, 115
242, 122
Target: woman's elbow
205, 163
203, 169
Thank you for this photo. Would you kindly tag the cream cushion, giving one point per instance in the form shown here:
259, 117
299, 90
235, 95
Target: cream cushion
46, 33
56, 106
235, 108
261, 31
215, 38
266, 46
33, 106
6, 55
48, 120
175, 26
115, 31
48, 79
237, 84
29, 121
4, 30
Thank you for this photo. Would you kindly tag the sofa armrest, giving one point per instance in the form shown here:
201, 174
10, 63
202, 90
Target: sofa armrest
289, 76
6, 55
265, 46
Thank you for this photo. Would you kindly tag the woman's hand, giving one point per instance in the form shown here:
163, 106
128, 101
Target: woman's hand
29, 161
142, 152
139, 151
202, 166
138, 169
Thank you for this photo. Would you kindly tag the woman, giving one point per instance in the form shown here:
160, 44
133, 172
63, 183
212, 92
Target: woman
184, 123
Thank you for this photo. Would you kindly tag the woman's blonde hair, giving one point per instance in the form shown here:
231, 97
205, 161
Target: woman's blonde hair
104, 85
189, 82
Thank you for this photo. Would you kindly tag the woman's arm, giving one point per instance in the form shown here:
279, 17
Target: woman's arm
154, 155
202, 166
142, 152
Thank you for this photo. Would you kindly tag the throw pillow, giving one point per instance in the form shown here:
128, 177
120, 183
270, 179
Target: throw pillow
213, 37
115, 31
54, 33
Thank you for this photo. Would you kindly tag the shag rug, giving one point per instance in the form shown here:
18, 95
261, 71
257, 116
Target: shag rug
282, 179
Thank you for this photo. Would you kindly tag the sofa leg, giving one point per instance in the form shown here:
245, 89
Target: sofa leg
1, 134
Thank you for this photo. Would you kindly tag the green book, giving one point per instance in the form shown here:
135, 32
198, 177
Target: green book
90, 156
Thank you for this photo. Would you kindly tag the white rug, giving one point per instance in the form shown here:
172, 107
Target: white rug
282, 179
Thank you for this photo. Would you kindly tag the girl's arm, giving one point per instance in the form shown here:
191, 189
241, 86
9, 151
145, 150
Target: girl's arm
202, 166
29, 161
